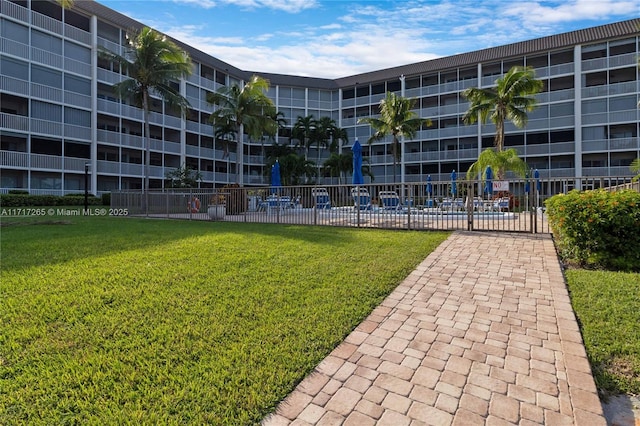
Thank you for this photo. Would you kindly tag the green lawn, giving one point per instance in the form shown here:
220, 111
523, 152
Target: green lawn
608, 308
132, 321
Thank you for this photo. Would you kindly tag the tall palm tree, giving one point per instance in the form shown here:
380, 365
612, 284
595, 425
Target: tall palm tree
303, 130
398, 120
248, 110
66, 4
153, 63
635, 168
339, 165
511, 99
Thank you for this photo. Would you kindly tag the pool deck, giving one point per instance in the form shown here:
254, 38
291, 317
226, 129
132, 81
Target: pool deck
481, 333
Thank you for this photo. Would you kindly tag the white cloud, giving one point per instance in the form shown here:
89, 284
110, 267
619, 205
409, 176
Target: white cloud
207, 4
568, 11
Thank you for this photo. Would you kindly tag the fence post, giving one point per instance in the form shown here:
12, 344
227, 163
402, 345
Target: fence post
470, 197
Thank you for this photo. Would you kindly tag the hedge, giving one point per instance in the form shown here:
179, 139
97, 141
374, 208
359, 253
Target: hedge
25, 200
597, 228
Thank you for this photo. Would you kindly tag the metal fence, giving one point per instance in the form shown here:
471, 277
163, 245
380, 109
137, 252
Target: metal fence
516, 205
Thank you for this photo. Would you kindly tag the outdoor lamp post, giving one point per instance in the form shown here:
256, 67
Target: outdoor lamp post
86, 186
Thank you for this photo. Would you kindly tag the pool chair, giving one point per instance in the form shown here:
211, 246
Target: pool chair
361, 198
501, 204
321, 198
390, 200
449, 204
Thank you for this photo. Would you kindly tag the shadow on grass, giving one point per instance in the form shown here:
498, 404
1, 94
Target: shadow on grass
28, 243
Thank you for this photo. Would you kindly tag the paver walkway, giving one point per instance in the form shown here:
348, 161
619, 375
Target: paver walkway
482, 332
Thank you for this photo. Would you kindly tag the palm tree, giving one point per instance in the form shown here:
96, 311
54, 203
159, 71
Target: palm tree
325, 132
303, 130
511, 99
635, 168
339, 165
398, 120
153, 63
247, 110
66, 4
500, 162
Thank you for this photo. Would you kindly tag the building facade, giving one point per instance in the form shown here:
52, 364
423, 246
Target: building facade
59, 116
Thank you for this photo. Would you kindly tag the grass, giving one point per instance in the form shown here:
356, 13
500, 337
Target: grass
607, 305
131, 321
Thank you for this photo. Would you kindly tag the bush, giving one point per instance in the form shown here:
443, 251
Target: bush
106, 199
597, 228
22, 200
18, 191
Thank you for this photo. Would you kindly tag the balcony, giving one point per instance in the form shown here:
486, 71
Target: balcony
14, 122
46, 127
48, 162
14, 85
14, 159
77, 99
14, 48
47, 58
109, 167
41, 91
46, 23
77, 132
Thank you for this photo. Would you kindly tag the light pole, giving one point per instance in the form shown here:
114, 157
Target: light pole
86, 186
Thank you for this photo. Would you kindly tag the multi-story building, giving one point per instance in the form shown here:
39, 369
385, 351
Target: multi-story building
59, 115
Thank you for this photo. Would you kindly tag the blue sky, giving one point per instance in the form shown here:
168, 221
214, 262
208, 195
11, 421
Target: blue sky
337, 38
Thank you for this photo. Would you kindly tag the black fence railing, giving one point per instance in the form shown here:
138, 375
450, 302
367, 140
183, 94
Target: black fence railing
516, 205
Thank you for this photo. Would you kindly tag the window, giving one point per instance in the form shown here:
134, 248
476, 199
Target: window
14, 68
77, 117
77, 52
77, 85
46, 111
46, 76
12, 31
46, 42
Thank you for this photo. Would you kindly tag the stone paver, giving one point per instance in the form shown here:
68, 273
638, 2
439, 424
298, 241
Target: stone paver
481, 332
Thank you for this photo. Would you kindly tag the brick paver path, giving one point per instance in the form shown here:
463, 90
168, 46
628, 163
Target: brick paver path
482, 332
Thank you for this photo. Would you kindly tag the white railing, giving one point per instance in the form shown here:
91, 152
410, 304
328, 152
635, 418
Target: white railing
132, 141
75, 164
77, 67
110, 45
77, 132
46, 57
110, 107
109, 77
624, 143
171, 121
562, 147
537, 149
41, 161
14, 48
77, 34
46, 127
45, 22
594, 64
111, 167
14, 10
621, 60
171, 147
132, 169
108, 137
77, 99
599, 145
131, 112
46, 92
561, 69
14, 159
14, 122
14, 85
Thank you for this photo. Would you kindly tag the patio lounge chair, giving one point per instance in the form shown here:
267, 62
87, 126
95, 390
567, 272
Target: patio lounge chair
361, 198
321, 198
501, 204
390, 200
449, 204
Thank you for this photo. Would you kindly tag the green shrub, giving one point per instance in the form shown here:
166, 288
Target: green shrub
25, 200
597, 228
106, 199
18, 191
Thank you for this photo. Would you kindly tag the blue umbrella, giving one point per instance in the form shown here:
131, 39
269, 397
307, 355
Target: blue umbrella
429, 186
454, 188
358, 179
488, 187
527, 187
275, 176
536, 176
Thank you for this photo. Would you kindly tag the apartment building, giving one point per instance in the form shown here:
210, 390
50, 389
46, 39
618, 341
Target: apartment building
59, 116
